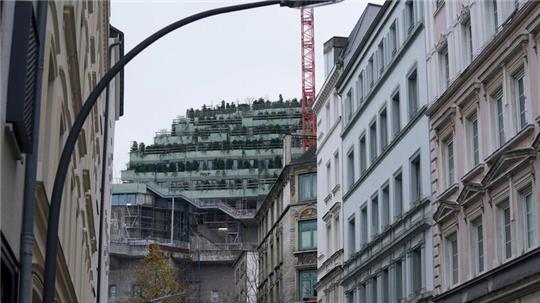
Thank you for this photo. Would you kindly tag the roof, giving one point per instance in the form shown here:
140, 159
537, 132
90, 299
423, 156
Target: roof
359, 31
308, 156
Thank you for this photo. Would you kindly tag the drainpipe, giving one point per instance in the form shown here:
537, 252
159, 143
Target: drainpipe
104, 167
29, 196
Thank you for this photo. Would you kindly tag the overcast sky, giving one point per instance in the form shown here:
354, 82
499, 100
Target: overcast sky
231, 57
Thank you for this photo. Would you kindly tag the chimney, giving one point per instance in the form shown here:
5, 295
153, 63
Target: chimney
332, 49
287, 150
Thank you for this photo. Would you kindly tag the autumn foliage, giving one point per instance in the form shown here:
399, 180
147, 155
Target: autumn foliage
157, 279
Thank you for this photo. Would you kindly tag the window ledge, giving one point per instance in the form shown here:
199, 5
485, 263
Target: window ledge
336, 188
306, 251
473, 172
508, 144
449, 191
328, 197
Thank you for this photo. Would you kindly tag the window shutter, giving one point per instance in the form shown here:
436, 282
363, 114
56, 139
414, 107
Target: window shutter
22, 75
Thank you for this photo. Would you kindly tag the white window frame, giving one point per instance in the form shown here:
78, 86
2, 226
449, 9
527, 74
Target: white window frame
473, 152
478, 251
521, 113
451, 255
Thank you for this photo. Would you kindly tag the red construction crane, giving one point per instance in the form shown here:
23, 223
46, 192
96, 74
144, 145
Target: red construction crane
309, 126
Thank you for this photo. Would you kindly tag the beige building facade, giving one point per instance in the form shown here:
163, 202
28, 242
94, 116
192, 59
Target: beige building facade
483, 63
75, 57
287, 246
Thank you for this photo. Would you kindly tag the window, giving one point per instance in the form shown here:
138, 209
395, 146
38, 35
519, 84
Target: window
385, 218
398, 195
350, 168
380, 50
467, 30
328, 239
452, 260
307, 186
360, 88
385, 286
374, 290
416, 181
327, 114
362, 293
393, 38
363, 154
445, 67
328, 177
494, 12
399, 280
506, 229
9, 273
336, 168
370, 72
373, 140
384, 129
374, 215
113, 291
409, 7
413, 93
214, 296
417, 270
448, 161
337, 234
526, 200
396, 120
363, 225
307, 280
477, 237
499, 117
473, 146
352, 236
350, 296
520, 100
307, 234
349, 107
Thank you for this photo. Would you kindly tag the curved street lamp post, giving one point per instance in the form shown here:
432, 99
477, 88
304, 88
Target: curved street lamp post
63, 165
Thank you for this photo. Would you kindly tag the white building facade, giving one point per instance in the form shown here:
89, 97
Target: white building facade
329, 199
385, 147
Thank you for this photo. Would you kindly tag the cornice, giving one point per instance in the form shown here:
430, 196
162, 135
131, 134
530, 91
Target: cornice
327, 88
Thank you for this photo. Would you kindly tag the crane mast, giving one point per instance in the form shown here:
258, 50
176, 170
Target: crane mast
308, 78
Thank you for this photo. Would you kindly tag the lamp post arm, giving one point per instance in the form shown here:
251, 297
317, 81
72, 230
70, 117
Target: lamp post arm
63, 165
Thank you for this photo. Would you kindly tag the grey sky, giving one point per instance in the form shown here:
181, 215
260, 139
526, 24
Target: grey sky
254, 53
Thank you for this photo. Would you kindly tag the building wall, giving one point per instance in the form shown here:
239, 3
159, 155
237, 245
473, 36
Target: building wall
246, 273
75, 58
329, 199
281, 260
384, 230
477, 177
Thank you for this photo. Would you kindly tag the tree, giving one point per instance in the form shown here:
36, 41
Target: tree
158, 278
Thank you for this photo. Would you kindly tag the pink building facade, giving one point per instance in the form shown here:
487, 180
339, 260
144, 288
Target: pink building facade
484, 118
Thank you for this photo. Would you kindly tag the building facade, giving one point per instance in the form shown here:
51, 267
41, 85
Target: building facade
329, 199
287, 231
246, 273
76, 55
197, 188
484, 140
386, 197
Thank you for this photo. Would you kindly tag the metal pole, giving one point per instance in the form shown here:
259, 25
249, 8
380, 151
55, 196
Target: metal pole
172, 221
63, 165
29, 196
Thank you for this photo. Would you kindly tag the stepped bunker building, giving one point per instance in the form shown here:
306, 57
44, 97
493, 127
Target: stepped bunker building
195, 192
